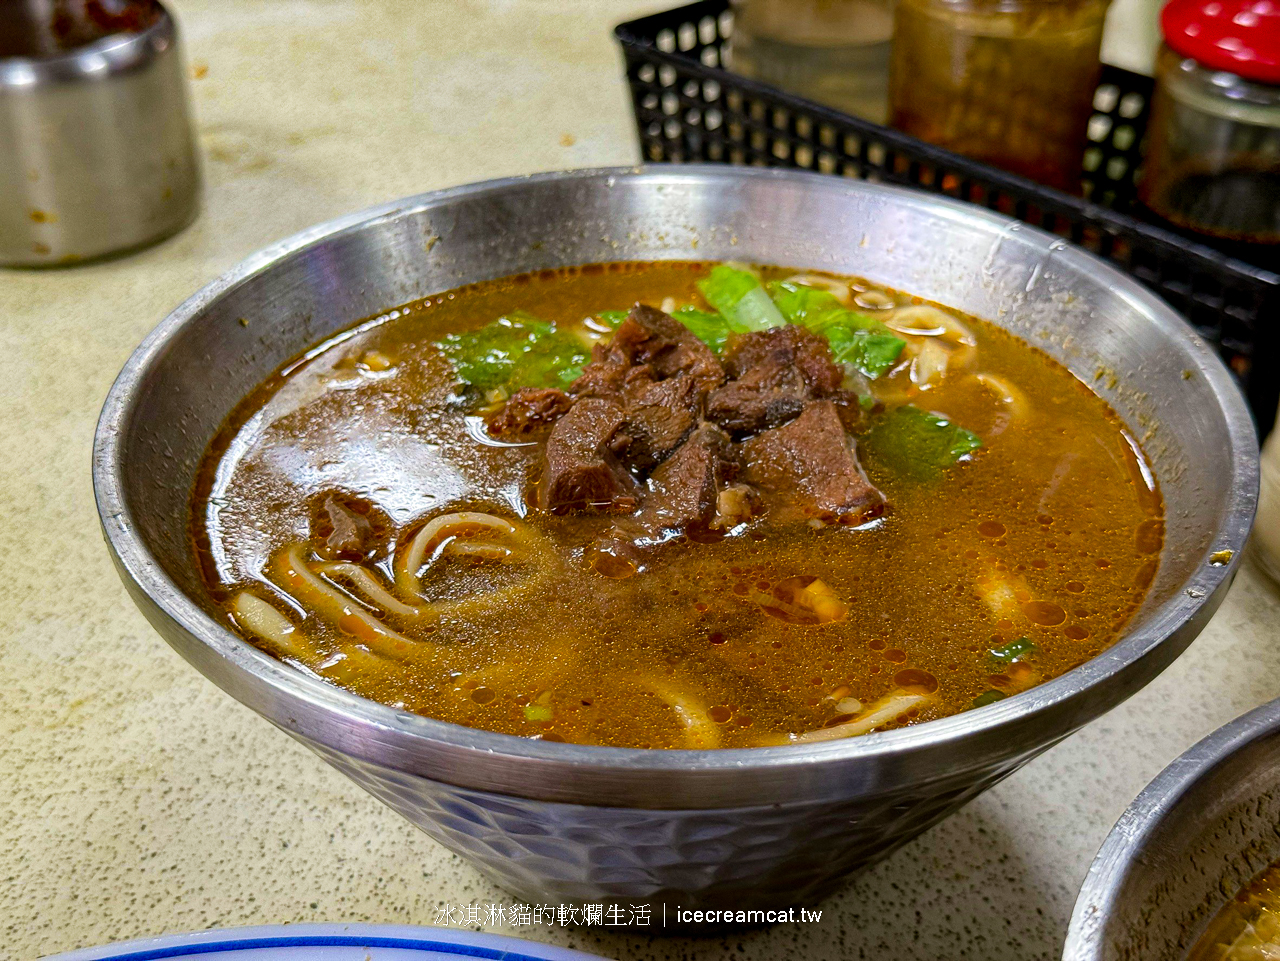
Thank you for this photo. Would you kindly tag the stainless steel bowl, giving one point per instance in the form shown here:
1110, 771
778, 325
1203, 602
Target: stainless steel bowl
1207, 824
97, 154
734, 827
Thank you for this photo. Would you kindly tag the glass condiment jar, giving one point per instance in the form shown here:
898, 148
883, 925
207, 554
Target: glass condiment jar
1213, 142
1007, 82
1266, 526
835, 52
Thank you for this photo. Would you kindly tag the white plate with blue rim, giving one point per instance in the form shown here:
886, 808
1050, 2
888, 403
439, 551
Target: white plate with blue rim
329, 942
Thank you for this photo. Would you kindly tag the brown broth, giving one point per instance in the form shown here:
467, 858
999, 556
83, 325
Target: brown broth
1052, 531
1246, 928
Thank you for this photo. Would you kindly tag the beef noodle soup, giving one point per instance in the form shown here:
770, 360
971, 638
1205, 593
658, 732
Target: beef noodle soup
677, 505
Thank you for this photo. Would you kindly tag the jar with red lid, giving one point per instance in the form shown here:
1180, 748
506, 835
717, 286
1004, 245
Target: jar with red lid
1213, 144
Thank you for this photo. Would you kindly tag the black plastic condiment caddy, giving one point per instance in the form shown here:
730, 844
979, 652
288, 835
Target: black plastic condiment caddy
689, 109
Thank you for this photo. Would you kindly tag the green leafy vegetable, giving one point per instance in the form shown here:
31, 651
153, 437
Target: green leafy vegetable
554, 362
810, 306
989, 697
872, 354
916, 444
738, 295
855, 338
714, 330
517, 350
1013, 652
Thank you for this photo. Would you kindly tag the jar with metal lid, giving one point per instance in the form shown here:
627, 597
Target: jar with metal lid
833, 51
1213, 143
1007, 82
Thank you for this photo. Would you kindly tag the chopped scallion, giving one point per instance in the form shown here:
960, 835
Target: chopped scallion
989, 697
538, 712
1013, 652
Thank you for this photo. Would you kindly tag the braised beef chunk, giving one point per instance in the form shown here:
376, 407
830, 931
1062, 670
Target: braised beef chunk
528, 409
671, 348
779, 349
660, 415
746, 408
851, 410
810, 464
812, 355
581, 471
656, 404
685, 493
773, 374
660, 373
342, 532
685, 487
648, 346
610, 363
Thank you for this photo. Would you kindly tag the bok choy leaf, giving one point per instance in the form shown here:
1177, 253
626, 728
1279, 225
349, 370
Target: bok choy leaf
740, 298
516, 350
916, 444
712, 329
855, 339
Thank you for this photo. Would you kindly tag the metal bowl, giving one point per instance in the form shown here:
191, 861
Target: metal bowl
763, 826
1185, 846
99, 155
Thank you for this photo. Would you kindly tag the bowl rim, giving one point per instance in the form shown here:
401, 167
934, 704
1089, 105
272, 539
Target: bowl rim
1173, 614
1139, 827
275, 942
107, 56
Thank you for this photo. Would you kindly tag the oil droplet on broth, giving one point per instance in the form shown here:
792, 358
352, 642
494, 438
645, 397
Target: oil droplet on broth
915, 681
1046, 613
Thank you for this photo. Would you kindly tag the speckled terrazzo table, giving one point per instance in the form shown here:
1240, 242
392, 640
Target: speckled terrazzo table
137, 799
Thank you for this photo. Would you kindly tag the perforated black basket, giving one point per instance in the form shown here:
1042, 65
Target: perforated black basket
689, 109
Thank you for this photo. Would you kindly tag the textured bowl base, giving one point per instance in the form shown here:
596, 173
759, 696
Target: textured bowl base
748, 858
